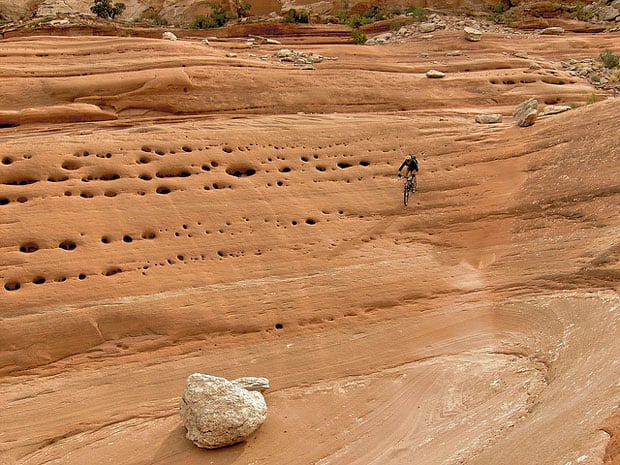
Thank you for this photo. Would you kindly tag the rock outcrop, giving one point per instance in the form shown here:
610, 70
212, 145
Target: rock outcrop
218, 413
471, 34
435, 74
526, 112
489, 118
554, 109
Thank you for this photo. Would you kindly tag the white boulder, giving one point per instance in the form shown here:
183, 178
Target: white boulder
435, 74
217, 412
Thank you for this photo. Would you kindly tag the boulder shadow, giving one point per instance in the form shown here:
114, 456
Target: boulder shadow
182, 450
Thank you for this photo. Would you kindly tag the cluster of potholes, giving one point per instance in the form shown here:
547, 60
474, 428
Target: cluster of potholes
237, 170
71, 165
32, 247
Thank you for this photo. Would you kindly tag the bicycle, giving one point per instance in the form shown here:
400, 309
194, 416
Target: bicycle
408, 188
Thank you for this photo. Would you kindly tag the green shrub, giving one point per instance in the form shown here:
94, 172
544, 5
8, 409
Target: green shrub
104, 9
158, 20
243, 8
294, 16
219, 15
375, 13
501, 14
358, 36
592, 99
358, 20
202, 22
217, 18
581, 14
609, 59
342, 16
416, 12
499, 8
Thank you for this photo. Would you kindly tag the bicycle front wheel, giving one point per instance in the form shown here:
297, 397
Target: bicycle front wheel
406, 194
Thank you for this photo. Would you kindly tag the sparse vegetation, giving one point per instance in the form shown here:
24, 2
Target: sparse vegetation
501, 14
609, 59
374, 13
105, 9
581, 13
358, 36
294, 16
40, 22
418, 13
217, 18
243, 8
592, 99
357, 20
157, 20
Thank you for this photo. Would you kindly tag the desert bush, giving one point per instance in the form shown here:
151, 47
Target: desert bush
358, 20
219, 15
243, 8
374, 13
217, 18
502, 14
417, 12
202, 22
294, 16
581, 13
158, 20
609, 59
358, 36
592, 99
105, 9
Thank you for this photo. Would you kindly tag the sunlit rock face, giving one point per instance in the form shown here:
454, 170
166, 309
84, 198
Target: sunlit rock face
172, 207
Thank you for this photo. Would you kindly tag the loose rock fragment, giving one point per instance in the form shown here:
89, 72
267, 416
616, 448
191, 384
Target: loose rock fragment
435, 74
555, 30
218, 413
489, 118
554, 109
526, 112
471, 34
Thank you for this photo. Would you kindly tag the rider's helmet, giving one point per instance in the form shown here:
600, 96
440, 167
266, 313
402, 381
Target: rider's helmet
409, 156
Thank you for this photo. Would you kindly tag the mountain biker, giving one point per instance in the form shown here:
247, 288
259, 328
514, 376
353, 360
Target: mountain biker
411, 162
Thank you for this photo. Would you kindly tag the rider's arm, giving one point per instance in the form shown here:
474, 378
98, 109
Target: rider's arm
402, 165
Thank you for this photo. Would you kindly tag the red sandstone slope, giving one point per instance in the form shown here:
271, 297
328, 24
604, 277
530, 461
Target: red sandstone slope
240, 216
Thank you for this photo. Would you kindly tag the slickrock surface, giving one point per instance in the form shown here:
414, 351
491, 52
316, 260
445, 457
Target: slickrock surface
171, 207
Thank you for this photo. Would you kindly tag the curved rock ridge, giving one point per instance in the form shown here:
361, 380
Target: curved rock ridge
239, 214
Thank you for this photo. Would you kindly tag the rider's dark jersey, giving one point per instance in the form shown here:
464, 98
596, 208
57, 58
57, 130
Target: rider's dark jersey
412, 165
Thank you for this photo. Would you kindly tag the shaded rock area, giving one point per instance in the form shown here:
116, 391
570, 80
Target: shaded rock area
218, 413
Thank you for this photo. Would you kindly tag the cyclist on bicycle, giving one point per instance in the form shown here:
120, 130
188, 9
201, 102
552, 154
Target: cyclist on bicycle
411, 163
